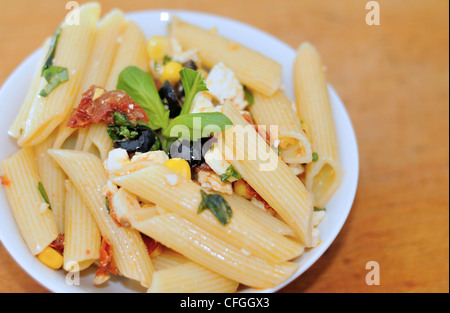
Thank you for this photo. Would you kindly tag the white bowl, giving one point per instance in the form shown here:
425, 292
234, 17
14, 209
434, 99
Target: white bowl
155, 23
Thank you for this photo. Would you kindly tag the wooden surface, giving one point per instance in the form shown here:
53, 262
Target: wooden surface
393, 79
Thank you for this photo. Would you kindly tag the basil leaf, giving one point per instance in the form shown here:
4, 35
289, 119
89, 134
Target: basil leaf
140, 86
316, 209
217, 205
44, 194
230, 172
107, 205
51, 51
55, 76
248, 95
193, 83
193, 126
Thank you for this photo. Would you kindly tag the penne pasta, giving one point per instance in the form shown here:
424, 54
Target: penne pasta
98, 137
53, 178
160, 185
191, 278
313, 105
99, 65
253, 69
47, 112
278, 111
18, 125
34, 218
262, 216
81, 236
214, 254
167, 259
272, 180
131, 51
86, 172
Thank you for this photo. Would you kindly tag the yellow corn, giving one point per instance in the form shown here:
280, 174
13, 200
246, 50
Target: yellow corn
157, 48
171, 72
179, 166
240, 187
51, 258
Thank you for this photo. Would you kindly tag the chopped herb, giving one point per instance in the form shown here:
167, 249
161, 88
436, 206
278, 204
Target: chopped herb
107, 205
54, 75
231, 172
122, 129
166, 59
316, 209
249, 96
218, 206
44, 194
315, 157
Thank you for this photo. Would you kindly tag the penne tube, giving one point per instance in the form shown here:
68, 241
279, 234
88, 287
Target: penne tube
34, 218
72, 52
98, 137
82, 240
131, 51
167, 259
158, 184
98, 65
53, 179
292, 140
213, 253
262, 216
18, 125
86, 172
323, 176
253, 69
191, 278
269, 176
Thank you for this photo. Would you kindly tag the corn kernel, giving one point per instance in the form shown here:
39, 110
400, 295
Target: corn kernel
179, 166
157, 48
171, 72
51, 258
240, 187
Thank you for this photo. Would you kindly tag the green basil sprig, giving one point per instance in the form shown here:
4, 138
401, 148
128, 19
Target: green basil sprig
217, 205
140, 86
193, 83
193, 126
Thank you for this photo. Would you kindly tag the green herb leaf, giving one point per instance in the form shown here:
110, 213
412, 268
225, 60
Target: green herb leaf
122, 129
55, 76
193, 83
230, 172
44, 194
51, 51
193, 126
140, 86
316, 209
107, 205
166, 59
217, 205
315, 157
249, 96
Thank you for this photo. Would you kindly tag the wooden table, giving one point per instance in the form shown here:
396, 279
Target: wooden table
393, 79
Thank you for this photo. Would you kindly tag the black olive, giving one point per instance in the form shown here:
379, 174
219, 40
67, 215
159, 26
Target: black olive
147, 140
190, 64
191, 151
169, 98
